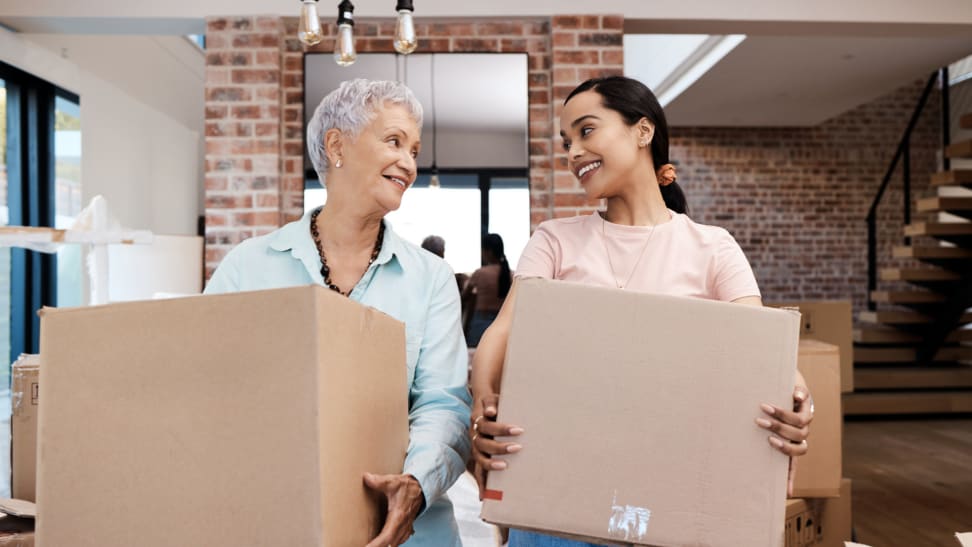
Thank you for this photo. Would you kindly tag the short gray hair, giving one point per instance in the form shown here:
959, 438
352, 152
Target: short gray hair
350, 108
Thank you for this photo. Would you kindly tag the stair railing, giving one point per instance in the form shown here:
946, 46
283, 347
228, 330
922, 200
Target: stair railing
903, 154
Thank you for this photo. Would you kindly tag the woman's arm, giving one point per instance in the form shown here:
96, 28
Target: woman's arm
487, 371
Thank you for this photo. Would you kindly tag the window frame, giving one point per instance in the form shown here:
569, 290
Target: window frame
30, 198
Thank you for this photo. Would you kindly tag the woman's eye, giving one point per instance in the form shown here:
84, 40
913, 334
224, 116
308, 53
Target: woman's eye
586, 131
567, 146
393, 140
415, 153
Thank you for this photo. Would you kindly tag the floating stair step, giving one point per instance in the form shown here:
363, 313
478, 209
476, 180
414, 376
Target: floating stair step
918, 275
944, 204
954, 177
904, 402
893, 317
906, 297
938, 229
958, 376
965, 122
909, 355
932, 252
961, 149
903, 317
872, 334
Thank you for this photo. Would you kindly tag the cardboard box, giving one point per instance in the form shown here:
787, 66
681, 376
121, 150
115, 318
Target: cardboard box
238, 419
638, 412
819, 522
818, 472
829, 321
23, 426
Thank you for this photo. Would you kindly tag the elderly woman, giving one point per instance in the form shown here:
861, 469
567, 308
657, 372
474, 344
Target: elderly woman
363, 141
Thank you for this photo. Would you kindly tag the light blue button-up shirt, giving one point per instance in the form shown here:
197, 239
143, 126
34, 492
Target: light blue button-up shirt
419, 289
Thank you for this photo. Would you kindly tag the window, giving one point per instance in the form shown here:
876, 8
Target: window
67, 196
467, 205
4, 251
40, 178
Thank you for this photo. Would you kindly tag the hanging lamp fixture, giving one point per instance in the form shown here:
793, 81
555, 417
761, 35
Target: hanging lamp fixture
309, 30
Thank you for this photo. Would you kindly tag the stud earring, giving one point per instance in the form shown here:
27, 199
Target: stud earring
338, 164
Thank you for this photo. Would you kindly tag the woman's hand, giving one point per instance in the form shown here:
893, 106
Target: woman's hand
484, 428
790, 428
405, 499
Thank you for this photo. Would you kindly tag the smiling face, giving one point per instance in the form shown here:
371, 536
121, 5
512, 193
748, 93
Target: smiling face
380, 161
603, 151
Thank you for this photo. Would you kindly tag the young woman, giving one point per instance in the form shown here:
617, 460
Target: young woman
616, 139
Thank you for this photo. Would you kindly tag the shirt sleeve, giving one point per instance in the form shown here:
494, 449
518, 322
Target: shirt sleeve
439, 400
539, 258
734, 276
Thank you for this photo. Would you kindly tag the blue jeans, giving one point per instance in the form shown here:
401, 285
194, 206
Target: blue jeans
481, 320
521, 538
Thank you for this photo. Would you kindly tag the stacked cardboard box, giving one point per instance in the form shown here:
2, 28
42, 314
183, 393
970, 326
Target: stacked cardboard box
638, 414
820, 514
829, 321
24, 399
239, 419
820, 522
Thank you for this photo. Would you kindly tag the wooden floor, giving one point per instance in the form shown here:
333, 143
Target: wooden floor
912, 480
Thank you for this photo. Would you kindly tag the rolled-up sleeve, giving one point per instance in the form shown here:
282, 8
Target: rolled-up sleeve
439, 400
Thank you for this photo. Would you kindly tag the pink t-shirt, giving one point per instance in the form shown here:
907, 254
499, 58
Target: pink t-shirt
677, 258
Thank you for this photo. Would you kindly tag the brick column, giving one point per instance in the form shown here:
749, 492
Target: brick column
243, 131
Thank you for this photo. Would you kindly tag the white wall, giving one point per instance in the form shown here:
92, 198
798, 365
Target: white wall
146, 162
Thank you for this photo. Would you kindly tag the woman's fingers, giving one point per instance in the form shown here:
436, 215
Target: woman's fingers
789, 429
489, 428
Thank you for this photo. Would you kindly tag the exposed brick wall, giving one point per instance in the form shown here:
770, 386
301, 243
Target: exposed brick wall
243, 135
254, 108
796, 198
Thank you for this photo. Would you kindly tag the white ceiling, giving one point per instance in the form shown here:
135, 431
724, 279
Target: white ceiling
806, 80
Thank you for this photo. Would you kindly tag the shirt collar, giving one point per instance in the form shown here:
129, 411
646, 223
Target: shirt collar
296, 238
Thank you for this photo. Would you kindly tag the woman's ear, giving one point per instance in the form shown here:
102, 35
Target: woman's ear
646, 131
334, 146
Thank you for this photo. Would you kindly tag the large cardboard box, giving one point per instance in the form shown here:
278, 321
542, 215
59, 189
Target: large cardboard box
239, 419
829, 321
819, 522
23, 426
818, 473
638, 412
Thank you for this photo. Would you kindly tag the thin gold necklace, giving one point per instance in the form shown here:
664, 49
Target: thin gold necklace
607, 250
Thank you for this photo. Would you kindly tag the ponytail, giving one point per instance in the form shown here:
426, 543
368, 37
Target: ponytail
505, 278
493, 244
674, 198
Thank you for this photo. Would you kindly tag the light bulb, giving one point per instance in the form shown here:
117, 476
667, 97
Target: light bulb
309, 32
344, 53
405, 39
434, 183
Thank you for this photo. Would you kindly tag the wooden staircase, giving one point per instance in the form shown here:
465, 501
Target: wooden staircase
913, 354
